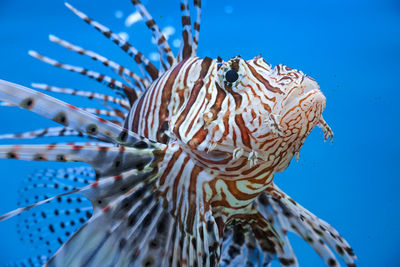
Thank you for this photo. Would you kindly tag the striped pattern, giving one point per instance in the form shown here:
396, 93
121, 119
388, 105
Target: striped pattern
183, 171
124, 72
139, 58
187, 49
243, 132
120, 88
86, 94
162, 43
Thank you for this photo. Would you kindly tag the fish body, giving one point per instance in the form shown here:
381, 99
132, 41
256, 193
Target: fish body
184, 164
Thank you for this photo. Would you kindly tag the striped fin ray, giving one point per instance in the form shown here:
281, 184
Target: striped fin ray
137, 228
186, 50
240, 248
115, 113
37, 261
87, 94
139, 58
111, 234
118, 87
45, 132
162, 44
196, 26
104, 158
270, 242
200, 248
286, 256
6, 104
18, 211
98, 191
316, 232
124, 72
46, 227
69, 115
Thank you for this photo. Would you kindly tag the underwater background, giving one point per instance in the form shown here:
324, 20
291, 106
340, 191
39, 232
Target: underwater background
351, 48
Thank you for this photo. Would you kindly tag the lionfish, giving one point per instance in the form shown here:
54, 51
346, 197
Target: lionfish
183, 164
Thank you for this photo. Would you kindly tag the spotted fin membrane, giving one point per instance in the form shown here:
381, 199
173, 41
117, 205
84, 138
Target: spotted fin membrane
47, 227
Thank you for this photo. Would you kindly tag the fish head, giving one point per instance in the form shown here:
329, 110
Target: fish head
278, 107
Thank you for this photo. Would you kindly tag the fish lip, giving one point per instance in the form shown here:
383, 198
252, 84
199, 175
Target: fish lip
310, 99
294, 98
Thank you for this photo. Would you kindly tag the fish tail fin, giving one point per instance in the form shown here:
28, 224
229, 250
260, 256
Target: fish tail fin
286, 215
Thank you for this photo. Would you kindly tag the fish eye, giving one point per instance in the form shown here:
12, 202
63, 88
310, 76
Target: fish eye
231, 76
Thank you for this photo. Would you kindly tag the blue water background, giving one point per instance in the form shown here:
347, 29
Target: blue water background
352, 48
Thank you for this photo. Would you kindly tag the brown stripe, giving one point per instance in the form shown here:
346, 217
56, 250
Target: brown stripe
150, 23
126, 47
101, 78
151, 110
236, 96
192, 209
161, 40
130, 93
170, 164
176, 179
216, 108
263, 80
152, 70
185, 20
198, 138
243, 130
187, 48
205, 66
184, 7
166, 96
135, 122
203, 100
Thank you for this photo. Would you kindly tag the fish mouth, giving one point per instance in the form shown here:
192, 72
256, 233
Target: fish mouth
301, 108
